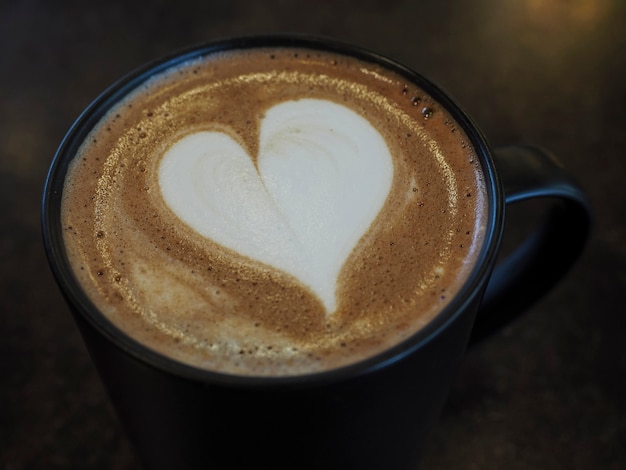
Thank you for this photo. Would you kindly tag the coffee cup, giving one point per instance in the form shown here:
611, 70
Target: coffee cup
283, 245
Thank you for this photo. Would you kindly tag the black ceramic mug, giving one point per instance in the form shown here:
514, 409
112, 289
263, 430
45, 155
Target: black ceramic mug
374, 414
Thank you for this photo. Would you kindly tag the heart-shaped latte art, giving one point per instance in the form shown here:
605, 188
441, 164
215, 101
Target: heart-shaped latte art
322, 176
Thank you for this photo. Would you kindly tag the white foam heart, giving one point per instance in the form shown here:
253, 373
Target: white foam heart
323, 173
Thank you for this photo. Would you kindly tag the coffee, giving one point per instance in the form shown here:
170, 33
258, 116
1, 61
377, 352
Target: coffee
274, 211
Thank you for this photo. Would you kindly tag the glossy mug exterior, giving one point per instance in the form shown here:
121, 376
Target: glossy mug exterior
371, 415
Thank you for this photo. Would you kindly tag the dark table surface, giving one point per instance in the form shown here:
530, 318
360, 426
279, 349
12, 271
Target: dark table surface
548, 392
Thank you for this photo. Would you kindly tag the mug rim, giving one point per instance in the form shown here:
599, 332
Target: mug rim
80, 303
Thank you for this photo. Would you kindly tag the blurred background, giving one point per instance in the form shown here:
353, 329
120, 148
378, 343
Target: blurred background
548, 392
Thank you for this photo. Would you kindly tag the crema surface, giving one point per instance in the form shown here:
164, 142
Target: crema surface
273, 211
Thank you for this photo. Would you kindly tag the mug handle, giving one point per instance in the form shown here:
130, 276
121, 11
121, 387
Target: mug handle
544, 257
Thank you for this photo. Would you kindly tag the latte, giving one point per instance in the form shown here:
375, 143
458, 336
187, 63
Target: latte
273, 211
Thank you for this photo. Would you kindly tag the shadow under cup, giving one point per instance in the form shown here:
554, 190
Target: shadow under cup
370, 415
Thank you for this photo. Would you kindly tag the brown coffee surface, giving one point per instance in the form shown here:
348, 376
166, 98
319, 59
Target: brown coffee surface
193, 300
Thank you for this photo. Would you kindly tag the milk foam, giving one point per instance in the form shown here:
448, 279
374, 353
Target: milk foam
322, 175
